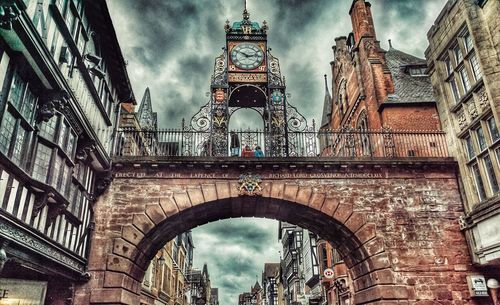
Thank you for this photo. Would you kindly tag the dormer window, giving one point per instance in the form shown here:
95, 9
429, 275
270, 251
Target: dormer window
418, 71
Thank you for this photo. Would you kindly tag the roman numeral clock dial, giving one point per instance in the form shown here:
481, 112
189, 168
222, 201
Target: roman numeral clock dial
247, 56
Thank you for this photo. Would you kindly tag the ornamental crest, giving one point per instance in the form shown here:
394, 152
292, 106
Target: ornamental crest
250, 185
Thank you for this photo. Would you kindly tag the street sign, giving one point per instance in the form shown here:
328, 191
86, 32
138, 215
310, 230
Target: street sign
477, 285
328, 273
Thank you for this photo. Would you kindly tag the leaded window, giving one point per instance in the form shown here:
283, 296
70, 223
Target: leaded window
454, 89
458, 54
476, 69
17, 122
478, 181
492, 127
465, 79
482, 147
491, 174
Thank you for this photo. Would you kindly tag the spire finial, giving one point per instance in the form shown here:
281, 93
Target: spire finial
246, 15
326, 82
390, 44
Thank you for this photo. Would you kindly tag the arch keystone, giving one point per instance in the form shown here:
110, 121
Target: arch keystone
182, 200
366, 233
290, 192
303, 195
155, 213
195, 195
120, 264
132, 234
277, 190
330, 206
169, 207
317, 200
222, 189
209, 192
343, 212
355, 221
124, 249
143, 223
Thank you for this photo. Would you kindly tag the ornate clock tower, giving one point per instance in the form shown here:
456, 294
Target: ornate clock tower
246, 75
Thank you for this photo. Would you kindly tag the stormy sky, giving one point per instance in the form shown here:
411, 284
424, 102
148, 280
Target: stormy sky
170, 46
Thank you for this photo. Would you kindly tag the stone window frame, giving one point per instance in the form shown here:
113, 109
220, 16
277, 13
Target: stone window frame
461, 66
482, 149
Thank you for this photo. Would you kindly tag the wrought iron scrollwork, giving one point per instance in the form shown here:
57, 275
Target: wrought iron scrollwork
389, 145
219, 77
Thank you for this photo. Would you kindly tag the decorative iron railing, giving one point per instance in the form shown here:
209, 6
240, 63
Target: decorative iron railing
383, 143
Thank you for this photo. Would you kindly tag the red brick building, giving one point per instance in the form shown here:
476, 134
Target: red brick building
374, 88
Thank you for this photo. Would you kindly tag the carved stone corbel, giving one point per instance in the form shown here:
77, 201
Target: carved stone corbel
52, 101
85, 147
41, 200
9, 12
103, 183
55, 209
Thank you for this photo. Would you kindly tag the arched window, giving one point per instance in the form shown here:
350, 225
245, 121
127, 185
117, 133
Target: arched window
364, 135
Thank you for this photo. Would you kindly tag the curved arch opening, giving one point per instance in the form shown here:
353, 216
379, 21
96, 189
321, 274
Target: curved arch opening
246, 126
342, 238
321, 224
247, 96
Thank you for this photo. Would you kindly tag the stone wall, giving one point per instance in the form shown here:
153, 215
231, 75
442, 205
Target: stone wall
395, 223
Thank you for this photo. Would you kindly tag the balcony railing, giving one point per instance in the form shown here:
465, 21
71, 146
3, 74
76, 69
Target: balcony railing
325, 143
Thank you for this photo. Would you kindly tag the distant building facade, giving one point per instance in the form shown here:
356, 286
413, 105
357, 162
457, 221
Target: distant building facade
167, 279
200, 287
63, 78
300, 266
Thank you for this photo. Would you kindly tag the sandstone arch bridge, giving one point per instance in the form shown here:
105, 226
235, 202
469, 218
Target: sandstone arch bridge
388, 201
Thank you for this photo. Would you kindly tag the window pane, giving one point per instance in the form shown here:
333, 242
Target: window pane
16, 90
6, 131
62, 134
28, 108
493, 129
465, 79
458, 54
19, 153
71, 144
48, 129
57, 172
454, 90
42, 161
447, 62
491, 174
470, 148
479, 182
474, 63
481, 141
468, 42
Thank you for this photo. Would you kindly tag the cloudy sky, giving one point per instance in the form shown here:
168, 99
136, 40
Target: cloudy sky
170, 46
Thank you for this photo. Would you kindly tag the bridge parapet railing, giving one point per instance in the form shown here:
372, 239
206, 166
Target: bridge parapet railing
384, 143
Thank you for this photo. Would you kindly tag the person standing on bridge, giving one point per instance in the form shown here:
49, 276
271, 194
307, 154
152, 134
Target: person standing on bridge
234, 144
247, 152
258, 153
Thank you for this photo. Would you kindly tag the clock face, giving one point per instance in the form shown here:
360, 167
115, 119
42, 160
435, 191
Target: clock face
247, 56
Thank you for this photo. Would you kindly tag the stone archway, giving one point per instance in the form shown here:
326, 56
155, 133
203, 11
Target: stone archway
396, 227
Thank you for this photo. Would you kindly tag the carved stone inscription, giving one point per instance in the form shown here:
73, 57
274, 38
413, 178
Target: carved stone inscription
267, 176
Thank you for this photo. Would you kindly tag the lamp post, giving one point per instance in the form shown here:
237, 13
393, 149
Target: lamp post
493, 285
